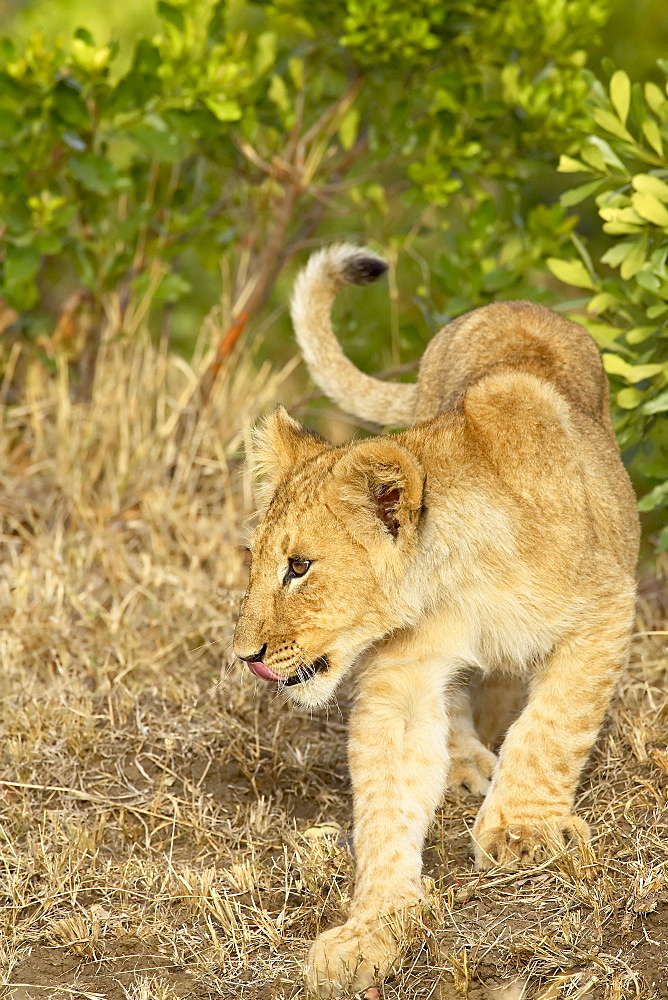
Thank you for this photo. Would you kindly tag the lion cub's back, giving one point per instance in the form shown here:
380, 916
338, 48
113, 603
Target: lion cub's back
516, 335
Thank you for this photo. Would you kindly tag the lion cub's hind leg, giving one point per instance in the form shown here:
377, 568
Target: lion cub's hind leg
471, 763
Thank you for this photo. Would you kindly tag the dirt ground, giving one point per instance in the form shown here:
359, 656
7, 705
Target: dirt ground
169, 828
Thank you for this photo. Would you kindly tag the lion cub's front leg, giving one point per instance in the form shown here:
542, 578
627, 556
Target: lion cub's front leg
528, 810
398, 763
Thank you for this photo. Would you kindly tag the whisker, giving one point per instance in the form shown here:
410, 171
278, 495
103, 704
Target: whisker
226, 672
212, 642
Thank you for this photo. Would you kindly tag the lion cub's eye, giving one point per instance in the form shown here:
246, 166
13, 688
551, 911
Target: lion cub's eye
296, 567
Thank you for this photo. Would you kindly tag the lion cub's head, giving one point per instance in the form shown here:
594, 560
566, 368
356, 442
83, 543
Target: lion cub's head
331, 556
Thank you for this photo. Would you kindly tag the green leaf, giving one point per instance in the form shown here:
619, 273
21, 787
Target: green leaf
48, 244
599, 145
568, 165
278, 92
498, 278
69, 105
22, 296
217, 26
349, 127
621, 228
89, 58
578, 194
635, 258
158, 142
618, 252
225, 111
639, 334
7, 50
611, 124
653, 135
593, 155
662, 543
620, 94
604, 334
171, 15
266, 52
650, 208
147, 58
655, 498
94, 173
659, 404
629, 398
614, 365
85, 36
585, 256
21, 265
571, 272
86, 265
445, 100
172, 288
296, 71
10, 124
11, 91
8, 163
626, 214
654, 97
599, 303
650, 184
649, 280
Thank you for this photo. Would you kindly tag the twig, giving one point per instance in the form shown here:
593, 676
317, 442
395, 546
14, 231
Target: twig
295, 168
103, 801
57, 989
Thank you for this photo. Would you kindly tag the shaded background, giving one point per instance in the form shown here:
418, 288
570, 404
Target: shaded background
150, 181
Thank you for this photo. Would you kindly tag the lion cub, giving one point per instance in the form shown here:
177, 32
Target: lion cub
498, 534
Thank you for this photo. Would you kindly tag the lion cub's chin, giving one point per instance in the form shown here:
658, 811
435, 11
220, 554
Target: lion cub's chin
318, 690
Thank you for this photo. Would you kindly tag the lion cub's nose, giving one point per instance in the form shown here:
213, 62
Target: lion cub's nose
250, 657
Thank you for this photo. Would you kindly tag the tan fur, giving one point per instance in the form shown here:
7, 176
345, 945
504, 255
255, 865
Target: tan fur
315, 290
499, 534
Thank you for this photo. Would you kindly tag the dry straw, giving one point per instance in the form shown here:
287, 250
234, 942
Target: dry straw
171, 829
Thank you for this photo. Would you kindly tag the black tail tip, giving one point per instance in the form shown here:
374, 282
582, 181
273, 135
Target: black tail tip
363, 270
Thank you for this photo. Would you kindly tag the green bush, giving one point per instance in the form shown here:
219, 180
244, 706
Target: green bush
237, 134
105, 180
623, 150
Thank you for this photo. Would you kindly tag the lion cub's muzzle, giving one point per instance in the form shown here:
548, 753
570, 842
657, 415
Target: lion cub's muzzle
303, 673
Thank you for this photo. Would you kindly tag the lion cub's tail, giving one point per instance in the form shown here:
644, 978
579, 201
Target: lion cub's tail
311, 307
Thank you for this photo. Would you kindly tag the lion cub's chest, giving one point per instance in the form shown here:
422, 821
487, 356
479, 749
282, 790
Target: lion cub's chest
496, 631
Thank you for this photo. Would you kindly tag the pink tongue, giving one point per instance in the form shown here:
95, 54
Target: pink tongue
258, 668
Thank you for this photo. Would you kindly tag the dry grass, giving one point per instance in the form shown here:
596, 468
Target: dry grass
169, 829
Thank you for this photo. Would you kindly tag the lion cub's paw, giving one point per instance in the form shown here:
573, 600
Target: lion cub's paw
471, 769
524, 844
351, 958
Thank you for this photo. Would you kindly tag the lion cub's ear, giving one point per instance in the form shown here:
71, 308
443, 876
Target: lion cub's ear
381, 486
279, 444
